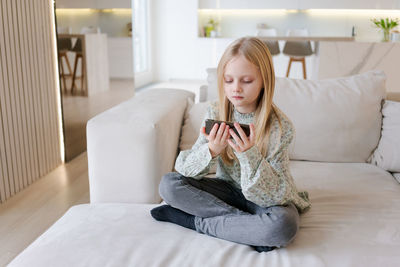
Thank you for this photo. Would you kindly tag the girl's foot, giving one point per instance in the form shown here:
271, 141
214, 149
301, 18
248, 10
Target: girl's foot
263, 248
167, 213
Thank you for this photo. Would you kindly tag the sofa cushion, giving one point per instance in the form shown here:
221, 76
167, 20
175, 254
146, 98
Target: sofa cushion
192, 121
336, 120
212, 83
333, 232
397, 176
387, 154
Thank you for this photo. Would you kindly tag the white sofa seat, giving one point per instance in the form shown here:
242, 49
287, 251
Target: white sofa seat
354, 221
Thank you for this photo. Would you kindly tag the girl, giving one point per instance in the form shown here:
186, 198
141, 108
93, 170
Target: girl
253, 200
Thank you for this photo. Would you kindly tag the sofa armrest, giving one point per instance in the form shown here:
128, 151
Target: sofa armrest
132, 145
393, 96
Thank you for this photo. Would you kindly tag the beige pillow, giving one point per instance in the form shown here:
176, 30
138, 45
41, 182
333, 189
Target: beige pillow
397, 176
336, 120
193, 118
387, 154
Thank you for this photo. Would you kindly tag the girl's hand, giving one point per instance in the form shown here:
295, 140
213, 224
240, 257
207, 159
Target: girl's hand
217, 139
242, 143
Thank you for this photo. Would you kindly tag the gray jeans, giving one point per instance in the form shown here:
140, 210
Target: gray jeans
222, 211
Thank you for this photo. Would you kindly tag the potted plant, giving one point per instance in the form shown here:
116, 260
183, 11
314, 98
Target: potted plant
386, 25
211, 28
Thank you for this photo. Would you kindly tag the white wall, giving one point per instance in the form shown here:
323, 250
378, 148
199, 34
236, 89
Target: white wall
178, 52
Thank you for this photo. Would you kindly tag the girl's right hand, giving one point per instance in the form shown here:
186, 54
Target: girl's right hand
217, 139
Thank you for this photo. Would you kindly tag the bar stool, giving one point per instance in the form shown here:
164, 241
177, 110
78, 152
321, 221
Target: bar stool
78, 49
78, 55
297, 50
64, 46
273, 46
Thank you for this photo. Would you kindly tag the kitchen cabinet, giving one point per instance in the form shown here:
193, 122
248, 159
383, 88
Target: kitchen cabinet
254, 4
75, 3
99, 4
299, 4
353, 4
113, 4
207, 4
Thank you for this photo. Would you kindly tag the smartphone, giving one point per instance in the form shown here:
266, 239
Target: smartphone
210, 123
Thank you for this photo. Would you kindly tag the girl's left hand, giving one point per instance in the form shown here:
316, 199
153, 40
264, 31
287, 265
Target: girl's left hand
243, 143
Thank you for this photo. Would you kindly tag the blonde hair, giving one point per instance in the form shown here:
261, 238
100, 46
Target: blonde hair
256, 52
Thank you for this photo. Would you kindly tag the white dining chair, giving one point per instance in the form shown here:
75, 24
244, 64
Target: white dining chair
273, 46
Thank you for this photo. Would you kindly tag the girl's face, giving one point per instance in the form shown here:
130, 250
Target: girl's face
242, 84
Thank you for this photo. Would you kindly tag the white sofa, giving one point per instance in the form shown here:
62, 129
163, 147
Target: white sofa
355, 215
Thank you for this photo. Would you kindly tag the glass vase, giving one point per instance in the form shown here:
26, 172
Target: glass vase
386, 34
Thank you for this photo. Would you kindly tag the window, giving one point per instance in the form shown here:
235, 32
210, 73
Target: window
140, 36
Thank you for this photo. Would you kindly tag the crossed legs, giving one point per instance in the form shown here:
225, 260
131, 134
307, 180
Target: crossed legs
221, 210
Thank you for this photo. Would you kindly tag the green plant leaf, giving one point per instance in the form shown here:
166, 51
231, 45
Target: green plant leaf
385, 23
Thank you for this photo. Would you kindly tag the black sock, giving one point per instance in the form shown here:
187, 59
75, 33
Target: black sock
263, 248
167, 213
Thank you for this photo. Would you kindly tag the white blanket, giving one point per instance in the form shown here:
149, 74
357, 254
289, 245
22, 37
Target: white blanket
354, 221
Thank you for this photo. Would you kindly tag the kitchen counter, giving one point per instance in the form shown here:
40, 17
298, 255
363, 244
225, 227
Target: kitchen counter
295, 38
339, 59
315, 39
213, 48
307, 38
95, 58
120, 57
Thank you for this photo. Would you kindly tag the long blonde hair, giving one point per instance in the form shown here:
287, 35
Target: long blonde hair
256, 52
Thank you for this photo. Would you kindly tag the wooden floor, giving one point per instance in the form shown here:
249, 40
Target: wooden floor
29, 213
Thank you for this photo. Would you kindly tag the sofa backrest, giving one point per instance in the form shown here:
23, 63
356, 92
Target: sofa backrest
336, 120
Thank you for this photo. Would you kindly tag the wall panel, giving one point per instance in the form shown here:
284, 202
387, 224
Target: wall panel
29, 126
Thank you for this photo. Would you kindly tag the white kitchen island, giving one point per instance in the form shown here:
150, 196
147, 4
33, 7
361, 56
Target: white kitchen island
120, 57
338, 59
94, 52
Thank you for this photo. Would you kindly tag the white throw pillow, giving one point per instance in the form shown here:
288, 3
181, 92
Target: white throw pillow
194, 116
387, 154
336, 120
